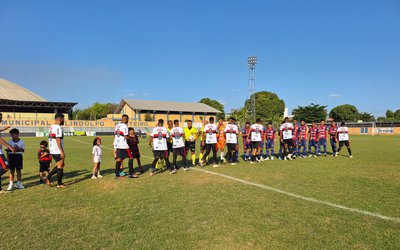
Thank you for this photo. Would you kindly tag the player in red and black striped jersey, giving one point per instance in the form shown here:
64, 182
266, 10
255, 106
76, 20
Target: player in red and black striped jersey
45, 158
303, 130
332, 136
313, 139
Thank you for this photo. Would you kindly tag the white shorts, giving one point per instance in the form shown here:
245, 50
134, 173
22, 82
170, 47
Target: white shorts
96, 159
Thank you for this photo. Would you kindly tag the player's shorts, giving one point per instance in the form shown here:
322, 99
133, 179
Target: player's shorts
15, 162
161, 154
346, 143
221, 144
180, 151
135, 152
96, 159
312, 143
212, 146
232, 147
269, 144
56, 157
295, 142
262, 143
288, 142
44, 166
303, 143
322, 141
3, 164
333, 140
246, 144
190, 146
123, 153
255, 144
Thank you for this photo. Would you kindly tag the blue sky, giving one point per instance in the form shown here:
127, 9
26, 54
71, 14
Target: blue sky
326, 52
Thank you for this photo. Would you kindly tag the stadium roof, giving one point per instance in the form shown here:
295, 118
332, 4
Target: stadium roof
15, 98
15, 92
148, 105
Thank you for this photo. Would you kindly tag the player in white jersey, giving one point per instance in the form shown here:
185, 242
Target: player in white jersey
210, 133
256, 135
343, 135
231, 137
3, 160
158, 141
286, 132
178, 144
56, 146
122, 151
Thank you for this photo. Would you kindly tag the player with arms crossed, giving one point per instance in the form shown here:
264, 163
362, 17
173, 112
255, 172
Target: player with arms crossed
178, 145
286, 131
158, 140
210, 131
231, 134
256, 135
343, 136
56, 146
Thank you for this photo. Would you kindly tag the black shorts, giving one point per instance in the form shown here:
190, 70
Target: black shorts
56, 157
180, 151
346, 143
255, 144
44, 166
288, 142
123, 153
231, 147
190, 146
160, 154
15, 161
212, 146
3, 163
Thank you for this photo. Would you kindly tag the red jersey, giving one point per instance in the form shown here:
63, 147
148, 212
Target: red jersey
303, 132
296, 133
245, 132
332, 132
322, 132
313, 133
43, 157
270, 134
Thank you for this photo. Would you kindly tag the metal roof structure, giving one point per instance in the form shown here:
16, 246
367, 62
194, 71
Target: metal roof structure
15, 98
167, 106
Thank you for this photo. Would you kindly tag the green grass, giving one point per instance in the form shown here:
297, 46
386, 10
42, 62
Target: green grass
196, 210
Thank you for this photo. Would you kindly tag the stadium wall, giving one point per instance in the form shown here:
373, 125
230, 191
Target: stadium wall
29, 127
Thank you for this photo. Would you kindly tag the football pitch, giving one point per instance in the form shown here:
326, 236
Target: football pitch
316, 203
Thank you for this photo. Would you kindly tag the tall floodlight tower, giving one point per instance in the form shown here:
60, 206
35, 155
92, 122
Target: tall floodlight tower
251, 107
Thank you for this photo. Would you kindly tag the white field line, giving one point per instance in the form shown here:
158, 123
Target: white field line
276, 190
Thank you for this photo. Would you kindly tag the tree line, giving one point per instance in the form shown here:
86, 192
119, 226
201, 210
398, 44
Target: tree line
269, 107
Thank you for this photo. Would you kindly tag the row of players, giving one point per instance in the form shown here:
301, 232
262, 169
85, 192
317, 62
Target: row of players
179, 141
215, 137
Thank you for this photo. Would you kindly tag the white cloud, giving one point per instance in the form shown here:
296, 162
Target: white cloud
335, 95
